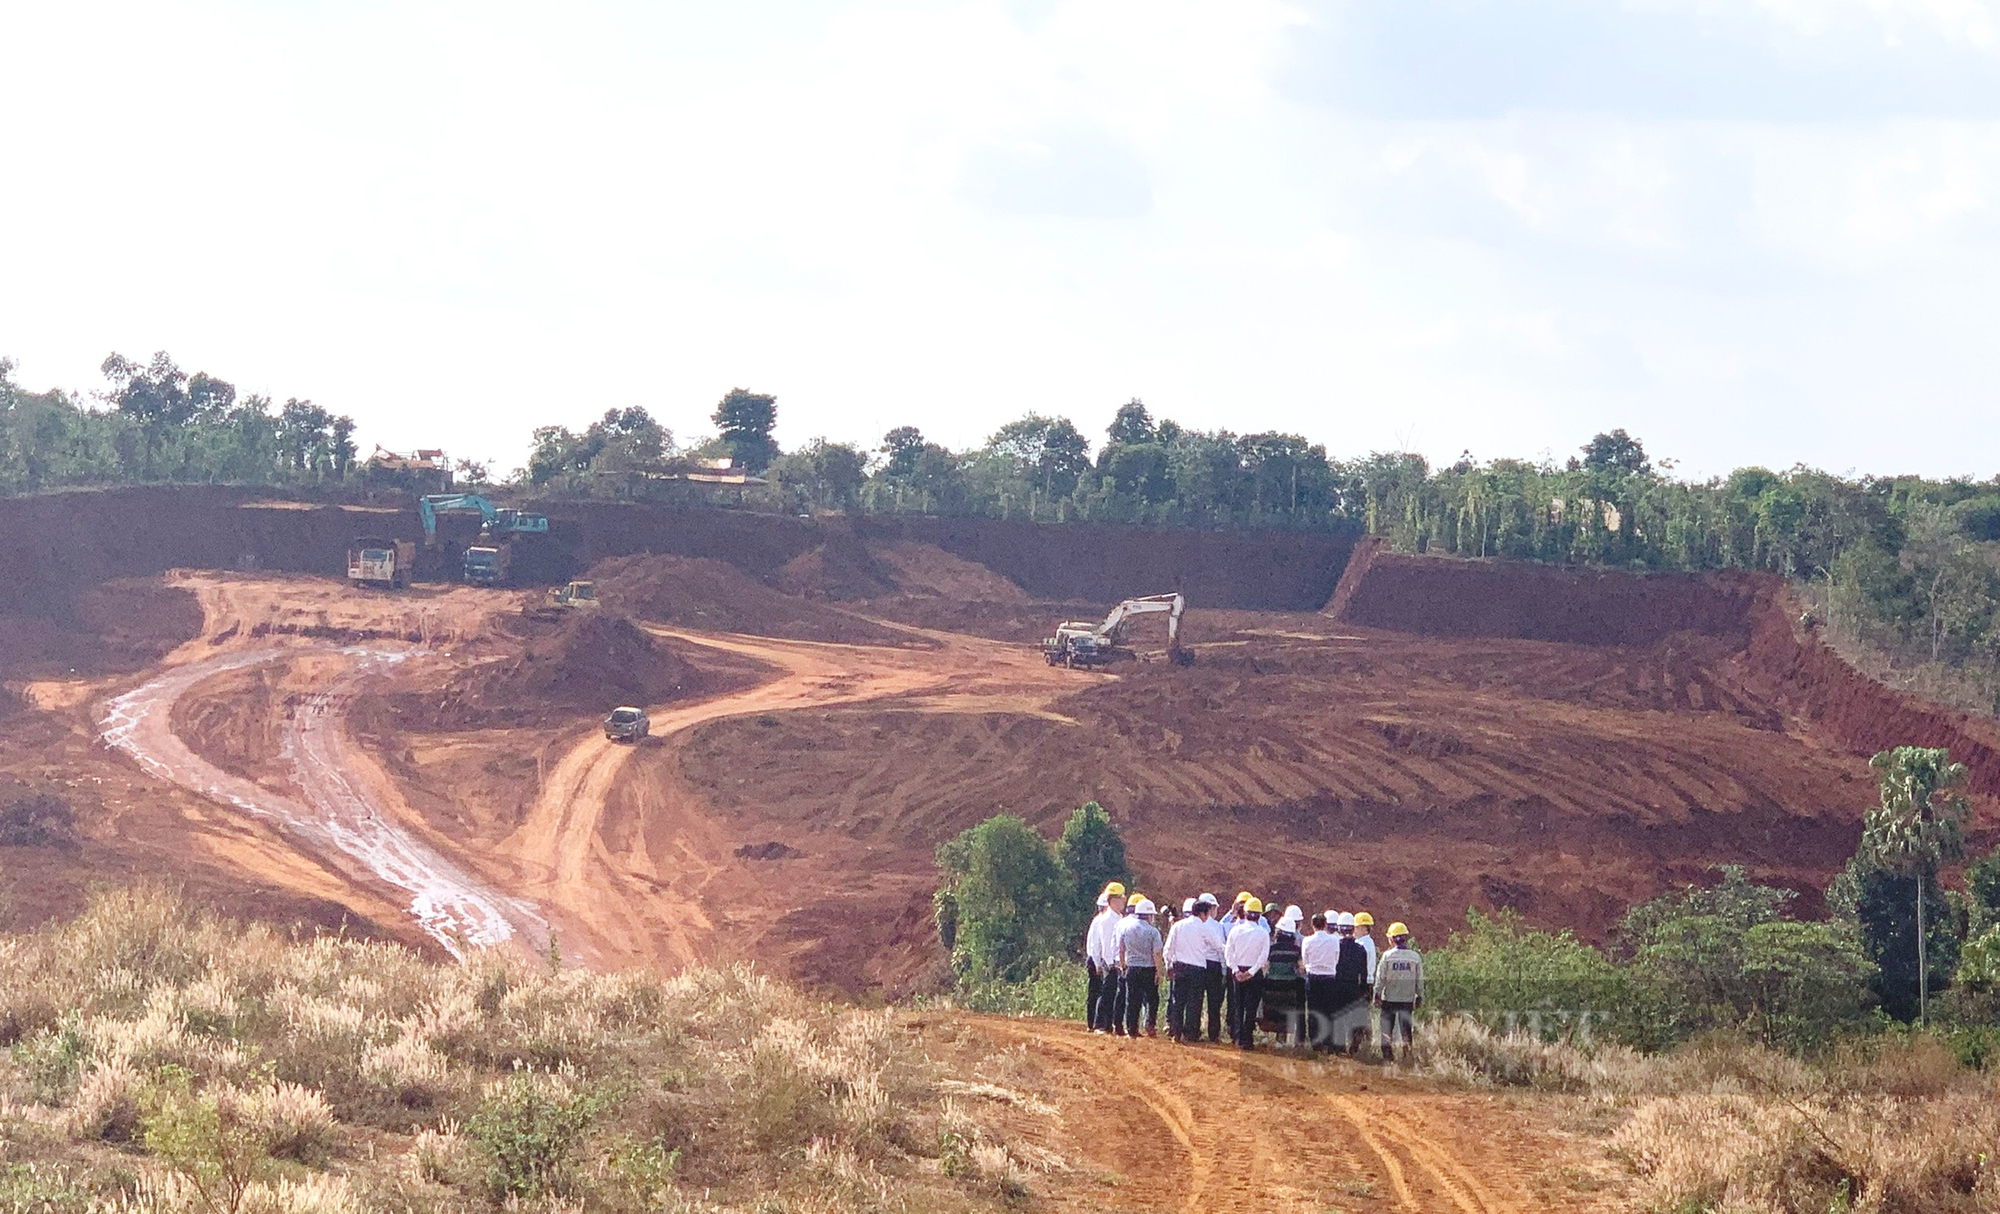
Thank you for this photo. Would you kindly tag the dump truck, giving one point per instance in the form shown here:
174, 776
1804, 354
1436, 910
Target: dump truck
484, 566
489, 561
378, 562
1080, 643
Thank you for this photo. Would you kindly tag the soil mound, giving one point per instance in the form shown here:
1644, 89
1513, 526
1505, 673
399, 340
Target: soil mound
589, 665
696, 592
1810, 681
841, 569
921, 570
114, 628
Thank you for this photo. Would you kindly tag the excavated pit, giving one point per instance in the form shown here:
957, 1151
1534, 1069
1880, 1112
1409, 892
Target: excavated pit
1413, 735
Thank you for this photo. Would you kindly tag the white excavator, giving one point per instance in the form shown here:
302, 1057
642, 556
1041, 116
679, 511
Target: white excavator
1081, 643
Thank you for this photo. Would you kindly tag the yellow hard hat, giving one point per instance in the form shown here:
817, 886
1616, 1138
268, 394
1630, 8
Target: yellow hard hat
1363, 919
1115, 890
1135, 898
1253, 905
1398, 929
1244, 896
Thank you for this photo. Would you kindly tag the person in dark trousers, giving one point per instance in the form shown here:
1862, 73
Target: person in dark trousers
1348, 992
1100, 955
1319, 956
1187, 968
1140, 952
1246, 957
1284, 997
1399, 990
1217, 989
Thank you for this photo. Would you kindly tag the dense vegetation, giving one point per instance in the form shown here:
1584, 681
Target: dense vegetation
156, 422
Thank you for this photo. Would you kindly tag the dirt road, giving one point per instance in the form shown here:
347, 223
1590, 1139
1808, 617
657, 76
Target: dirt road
339, 814
636, 893
341, 809
1207, 1129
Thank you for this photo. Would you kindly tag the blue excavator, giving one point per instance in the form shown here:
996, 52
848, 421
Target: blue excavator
488, 562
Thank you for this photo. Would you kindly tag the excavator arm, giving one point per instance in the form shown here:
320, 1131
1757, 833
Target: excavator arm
493, 519
1113, 628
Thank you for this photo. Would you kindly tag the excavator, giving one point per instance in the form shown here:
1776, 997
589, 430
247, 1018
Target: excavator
1081, 643
486, 563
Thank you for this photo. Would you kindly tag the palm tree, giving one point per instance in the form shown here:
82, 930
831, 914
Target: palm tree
1918, 824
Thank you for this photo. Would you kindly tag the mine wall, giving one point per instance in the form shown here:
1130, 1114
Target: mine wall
54, 545
1461, 597
1783, 659
1814, 683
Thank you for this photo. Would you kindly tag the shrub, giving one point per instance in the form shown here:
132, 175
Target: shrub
1056, 989
1544, 984
1009, 893
1727, 958
528, 1128
43, 820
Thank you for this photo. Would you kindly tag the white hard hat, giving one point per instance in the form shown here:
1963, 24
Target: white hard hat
1104, 899
1208, 900
1346, 919
1293, 915
1333, 918
1145, 907
1187, 907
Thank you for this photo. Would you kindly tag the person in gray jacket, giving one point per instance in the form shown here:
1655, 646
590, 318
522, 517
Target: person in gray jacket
1399, 989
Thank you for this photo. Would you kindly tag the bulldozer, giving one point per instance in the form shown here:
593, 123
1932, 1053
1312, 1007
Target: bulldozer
1079, 643
562, 600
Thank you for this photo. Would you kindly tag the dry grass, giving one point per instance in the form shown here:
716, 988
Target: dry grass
160, 1060
1885, 1126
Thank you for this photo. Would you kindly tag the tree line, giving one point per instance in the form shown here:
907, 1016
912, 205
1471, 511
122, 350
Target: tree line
155, 422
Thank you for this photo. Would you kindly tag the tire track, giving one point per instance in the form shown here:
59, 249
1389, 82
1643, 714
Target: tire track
338, 816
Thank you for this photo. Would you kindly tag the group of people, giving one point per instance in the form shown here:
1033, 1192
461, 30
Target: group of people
1319, 982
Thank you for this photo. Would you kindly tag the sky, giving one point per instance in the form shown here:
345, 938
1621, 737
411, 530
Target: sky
1749, 232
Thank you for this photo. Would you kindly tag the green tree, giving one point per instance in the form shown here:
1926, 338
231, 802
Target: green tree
1008, 892
746, 420
823, 474
1727, 957
1132, 423
1617, 451
1546, 983
1091, 853
901, 448
1982, 888
1049, 451
1917, 824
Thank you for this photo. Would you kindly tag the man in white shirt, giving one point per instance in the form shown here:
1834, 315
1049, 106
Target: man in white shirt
1100, 955
1246, 956
1215, 988
1319, 957
1187, 969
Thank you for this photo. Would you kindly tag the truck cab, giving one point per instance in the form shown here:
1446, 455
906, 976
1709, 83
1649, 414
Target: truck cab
484, 566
